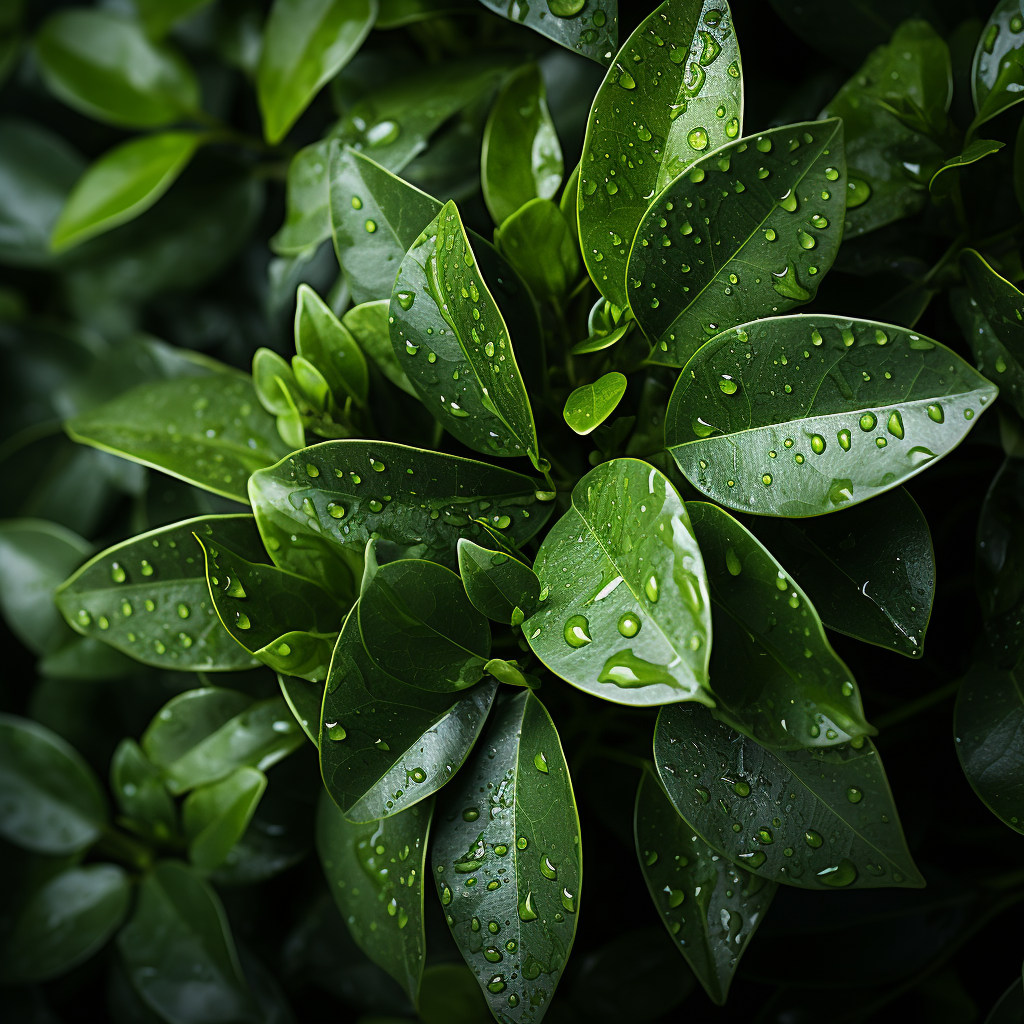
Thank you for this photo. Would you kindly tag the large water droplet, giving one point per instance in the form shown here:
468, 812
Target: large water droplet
577, 631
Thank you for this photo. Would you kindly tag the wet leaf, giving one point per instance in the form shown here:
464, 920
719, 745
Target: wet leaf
590, 405
368, 324
737, 237
329, 346
538, 242
138, 787
507, 859
496, 583
215, 816
625, 613
999, 564
997, 76
588, 28
760, 426
305, 700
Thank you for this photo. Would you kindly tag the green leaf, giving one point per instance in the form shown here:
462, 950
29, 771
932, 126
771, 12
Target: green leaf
817, 819
284, 620
761, 427
399, 13
634, 627
52, 802
368, 324
138, 788
774, 674
158, 16
67, 921
508, 862
216, 816
35, 557
305, 44
307, 221
376, 873
321, 339
202, 736
869, 572
710, 907
148, 597
123, 183
385, 745
333, 496
441, 305
655, 113
521, 158
496, 583
998, 72
222, 432
103, 65
590, 405
942, 180
588, 28
769, 229
179, 953
305, 700
538, 242
999, 564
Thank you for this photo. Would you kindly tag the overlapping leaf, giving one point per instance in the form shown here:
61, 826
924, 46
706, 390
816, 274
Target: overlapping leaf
500, 586
588, 28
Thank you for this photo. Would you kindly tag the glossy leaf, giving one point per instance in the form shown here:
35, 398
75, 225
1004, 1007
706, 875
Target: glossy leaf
774, 674
103, 65
761, 427
123, 183
988, 727
710, 907
497, 584
838, 829
654, 115
308, 218
52, 802
538, 242
67, 921
376, 873
588, 28
305, 700
870, 572
507, 860
305, 44
385, 745
942, 180
634, 626
742, 231
368, 324
590, 405
521, 157
997, 76
138, 787
999, 564
332, 497
320, 338
215, 816
222, 432
179, 953
148, 597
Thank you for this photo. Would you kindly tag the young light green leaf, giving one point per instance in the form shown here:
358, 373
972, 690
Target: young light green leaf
590, 405
942, 180
305, 44
538, 242
497, 583
221, 432
148, 597
774, 674
123, 183
376, 873
761, 427
321, 339
588, 28
507, 858
521, 158
749, 231
817, 819
52, 801
635, 625
710, 906
215, 816
102, 64
368, 324
442, 305
275, 383
138, 788
655, 114
998, 72
65, 923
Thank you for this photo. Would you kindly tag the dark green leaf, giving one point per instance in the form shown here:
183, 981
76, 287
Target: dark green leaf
148, 597
590, 405
710, 907
819, 818
67, 921
760, 426
1010, 1006
158, 16
507, 860
588, 28
538, 242
942, 180
449, 994
774, 674
215, 816
998, 73
103, 65
497, 583
308, 219
1000, 564
138, 788
305, 700
655, 113
368, 324
770, 223
52, 802
321, 339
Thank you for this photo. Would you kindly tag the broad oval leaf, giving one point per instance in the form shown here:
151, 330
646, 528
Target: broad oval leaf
626, 614
590, 405
998, 71
655, 113
123, 183
447, 326
774, 674
103, 65
588, 28
376, 873
538, 242
508, 862
710, 906
138, 787
148, 597
215, 816
497, 584
819, 818
305, 44
760, 426
51, 801
368, 324
749, 231
320, 338
305, 700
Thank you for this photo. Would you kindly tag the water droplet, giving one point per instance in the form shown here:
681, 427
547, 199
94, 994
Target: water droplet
935, 413
857, 192
788, 203
183, 611
732, 562
117, 573
831, 173
405, 299
727, 385
813, 839
626, 80
675, 898
741, 788
335, 731
754, 859
540, 762
371, 226
651, 588
526, 911
470, 814
146, 568
577, 631
522, 843
764, 145
242, 620
767, 479
868, 421
843, 436
698, 138
817, 444
840, 876
854, 795
895, 424
629, 625
547, 868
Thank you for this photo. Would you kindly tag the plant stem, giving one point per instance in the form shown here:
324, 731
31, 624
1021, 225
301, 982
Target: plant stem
915, 707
